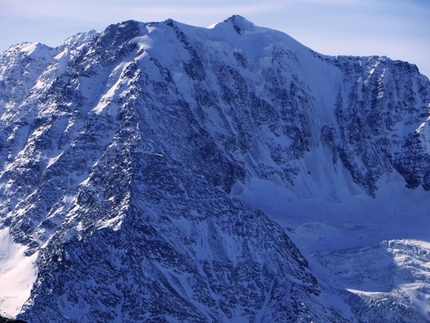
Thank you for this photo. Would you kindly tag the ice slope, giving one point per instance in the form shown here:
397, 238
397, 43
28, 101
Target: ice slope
140, 164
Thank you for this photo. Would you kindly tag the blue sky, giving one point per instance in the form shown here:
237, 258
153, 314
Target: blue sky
399, 29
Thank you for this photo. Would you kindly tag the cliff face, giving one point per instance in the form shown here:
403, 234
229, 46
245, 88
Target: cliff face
134, 162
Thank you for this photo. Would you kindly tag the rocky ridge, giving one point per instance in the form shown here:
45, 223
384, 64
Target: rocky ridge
126, 154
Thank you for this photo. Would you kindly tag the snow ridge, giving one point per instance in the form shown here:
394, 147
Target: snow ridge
165, 172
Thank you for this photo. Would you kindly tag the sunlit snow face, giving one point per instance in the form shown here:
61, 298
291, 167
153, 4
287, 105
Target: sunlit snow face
187, 125
17, 274
395, 29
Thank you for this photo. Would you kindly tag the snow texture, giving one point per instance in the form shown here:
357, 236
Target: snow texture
160, 172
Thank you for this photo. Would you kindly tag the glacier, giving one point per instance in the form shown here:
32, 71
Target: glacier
161, 172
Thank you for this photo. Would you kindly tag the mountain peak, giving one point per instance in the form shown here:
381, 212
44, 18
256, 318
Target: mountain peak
165, 172
240, 23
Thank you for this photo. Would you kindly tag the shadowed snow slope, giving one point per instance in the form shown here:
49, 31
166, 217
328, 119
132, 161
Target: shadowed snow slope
159, 172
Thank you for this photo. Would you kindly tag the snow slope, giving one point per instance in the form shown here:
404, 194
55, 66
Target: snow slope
164, 172
17, 274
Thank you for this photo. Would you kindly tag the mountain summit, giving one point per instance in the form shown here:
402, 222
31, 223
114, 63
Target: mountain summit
160, 172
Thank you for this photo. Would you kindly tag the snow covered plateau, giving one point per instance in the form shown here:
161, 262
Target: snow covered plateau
160, 172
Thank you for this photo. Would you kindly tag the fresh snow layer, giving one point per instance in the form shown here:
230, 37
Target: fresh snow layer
335, 224
395, 270
318, 222
17, 274
377, 249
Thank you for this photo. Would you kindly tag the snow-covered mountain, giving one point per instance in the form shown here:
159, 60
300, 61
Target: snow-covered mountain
159, 172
